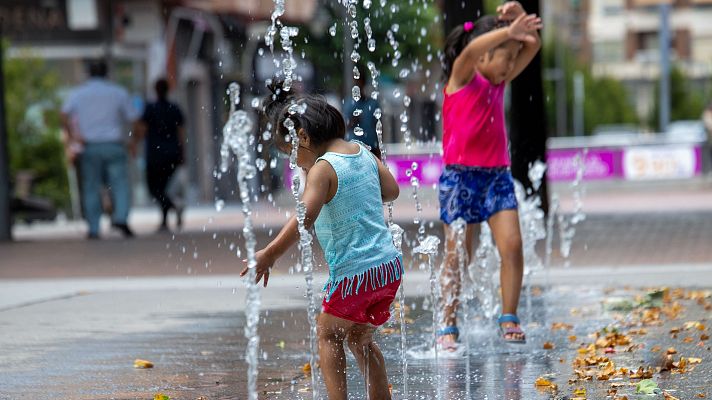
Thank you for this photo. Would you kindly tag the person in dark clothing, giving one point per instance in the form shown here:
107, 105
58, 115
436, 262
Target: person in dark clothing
162, 127
360, 119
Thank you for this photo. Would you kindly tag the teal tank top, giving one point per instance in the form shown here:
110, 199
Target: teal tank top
352, 230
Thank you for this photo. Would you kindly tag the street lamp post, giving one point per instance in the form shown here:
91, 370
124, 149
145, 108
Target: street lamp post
664, 66
5, 216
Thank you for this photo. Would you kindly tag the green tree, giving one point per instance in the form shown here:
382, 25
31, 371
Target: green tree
687, 99
33, 125
417, 31
606, 100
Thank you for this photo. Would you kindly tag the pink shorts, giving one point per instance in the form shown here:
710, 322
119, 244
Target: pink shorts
367, 307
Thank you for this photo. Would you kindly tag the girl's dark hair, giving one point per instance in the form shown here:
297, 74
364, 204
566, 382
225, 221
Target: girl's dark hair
320, 121
458, 39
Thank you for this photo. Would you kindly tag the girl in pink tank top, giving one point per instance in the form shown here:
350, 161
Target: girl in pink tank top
476, 185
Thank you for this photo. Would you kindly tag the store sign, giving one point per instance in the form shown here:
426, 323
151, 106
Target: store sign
660, 162
45, 21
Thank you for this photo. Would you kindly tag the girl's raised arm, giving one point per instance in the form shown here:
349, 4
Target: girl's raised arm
525, 30
465, 65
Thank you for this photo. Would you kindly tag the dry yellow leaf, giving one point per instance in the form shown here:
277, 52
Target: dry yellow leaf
138, 363
561, 326
580, 392
306, 368
668, 396
572, 338
548, 346
544, 383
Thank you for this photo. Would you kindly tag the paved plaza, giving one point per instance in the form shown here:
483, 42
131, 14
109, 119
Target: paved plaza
74, 315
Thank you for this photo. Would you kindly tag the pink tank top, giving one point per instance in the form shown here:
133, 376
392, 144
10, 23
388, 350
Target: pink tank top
474, 133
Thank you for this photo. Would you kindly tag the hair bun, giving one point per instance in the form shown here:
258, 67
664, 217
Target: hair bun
278, 98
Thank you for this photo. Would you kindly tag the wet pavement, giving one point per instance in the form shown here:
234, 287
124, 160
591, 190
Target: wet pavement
74, 315
195, 339
600, 240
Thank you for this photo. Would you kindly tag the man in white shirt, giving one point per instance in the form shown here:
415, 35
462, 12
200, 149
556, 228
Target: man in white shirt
96, 116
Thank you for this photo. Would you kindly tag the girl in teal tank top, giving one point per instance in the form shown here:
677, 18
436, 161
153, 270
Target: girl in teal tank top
346, 186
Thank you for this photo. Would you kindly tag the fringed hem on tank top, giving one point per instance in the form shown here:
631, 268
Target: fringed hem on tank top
375, 277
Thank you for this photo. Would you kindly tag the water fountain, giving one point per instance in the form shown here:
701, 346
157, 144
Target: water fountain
237, 137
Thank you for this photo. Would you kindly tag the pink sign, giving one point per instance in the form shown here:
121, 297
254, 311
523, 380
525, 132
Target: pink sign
563, 164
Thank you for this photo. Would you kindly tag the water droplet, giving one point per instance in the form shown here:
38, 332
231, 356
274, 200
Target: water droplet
377, 113
406, 101
357, 73
404, 73
219, 205
367, 4
357, 112
396, 93
414, 166
261, 164
332, 30
255, 102
408, 172
356, 93
371, 45
355, 56
261, 52
358, 131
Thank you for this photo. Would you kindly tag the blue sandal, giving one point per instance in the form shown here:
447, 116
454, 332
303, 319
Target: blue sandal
507, 333
448, 330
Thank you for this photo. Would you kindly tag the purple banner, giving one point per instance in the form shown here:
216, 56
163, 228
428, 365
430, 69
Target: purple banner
599, 164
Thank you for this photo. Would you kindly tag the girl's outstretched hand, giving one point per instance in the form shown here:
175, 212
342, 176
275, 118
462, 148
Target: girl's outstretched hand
524, 27
263, 266
510, 10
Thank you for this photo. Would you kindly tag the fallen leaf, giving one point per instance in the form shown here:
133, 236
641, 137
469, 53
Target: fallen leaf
580, 392
701, 395
561, 326
548, 346
704, 337
642, 373
161, 396
668, 396
671, 350
688, 339
306, 368
544, 383
138, 363
281, 344
572, 338
646, 386
655, 349
388, 331
694, 360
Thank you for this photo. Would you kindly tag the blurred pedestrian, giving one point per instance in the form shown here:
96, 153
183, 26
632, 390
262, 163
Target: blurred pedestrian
96, 116
476, 185
162, 127
360, 121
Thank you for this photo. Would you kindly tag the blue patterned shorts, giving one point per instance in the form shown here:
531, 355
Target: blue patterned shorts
475, 193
